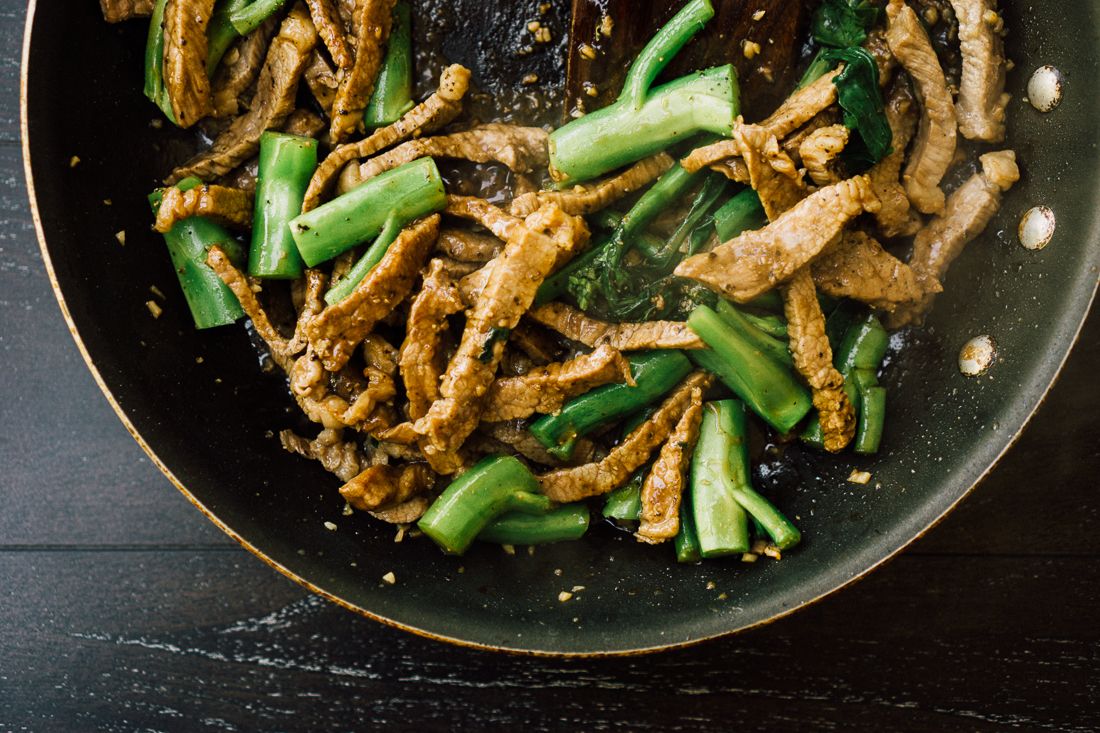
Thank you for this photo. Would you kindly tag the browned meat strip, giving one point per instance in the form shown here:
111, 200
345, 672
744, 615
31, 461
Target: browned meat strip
240, 67
545, 389
380, 390
666, 482
274, 101
326, 18
538, 345
185, 77
593, 479
515, 435
245, 289
771, 172
813, 358
522, 149
935, 146
312, 303
321, 79
304, 123
384, 485
502, 224
755, 262
528, 257
968, 212
336, 332
119, 10
982, 98
436, 111
343, 458
230, 206
404, 513
575, 325
819, 153
877, 45
894, 217
466, 246
421, 353
858, 267
591, 197
371, 25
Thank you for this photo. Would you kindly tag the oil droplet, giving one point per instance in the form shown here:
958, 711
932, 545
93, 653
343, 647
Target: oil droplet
1036, 227
977, 355
1044, 89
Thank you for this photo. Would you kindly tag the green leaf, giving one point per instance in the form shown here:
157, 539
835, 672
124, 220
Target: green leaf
859, 96
843, 23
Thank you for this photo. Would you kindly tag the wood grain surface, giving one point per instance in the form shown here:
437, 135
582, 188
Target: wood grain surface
123, 609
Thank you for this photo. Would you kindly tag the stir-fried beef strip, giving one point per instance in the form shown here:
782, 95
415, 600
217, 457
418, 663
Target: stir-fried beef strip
594, 479
521, 149
934, 148
515, 435
434, 112
503, 225
421, 359
467, 246
666, 482
239, 69
813, 358
879, 48
274, 101
819, 153
577, 326
115, 11
321, 80
185, 77
230, 206
404, 513
304, 123
385, 485
982, 100
330, 26
338, 329
755, 262
528, 257
371, 23
857, 267
769, 170
894, 216
312, 303
245, 289
968, 212
591, 197
340, 457
545, 389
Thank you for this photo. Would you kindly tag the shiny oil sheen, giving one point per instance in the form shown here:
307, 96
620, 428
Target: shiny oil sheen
210, 425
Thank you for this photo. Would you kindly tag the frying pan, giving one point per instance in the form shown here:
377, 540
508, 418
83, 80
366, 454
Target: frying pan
200, 406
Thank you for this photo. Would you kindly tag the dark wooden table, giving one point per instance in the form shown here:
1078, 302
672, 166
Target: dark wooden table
123, 609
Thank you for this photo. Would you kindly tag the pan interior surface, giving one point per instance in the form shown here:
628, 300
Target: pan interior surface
200, 404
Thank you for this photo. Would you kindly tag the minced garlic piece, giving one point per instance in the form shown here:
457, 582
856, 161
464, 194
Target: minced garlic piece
389, 578
154, 308
121, 237
859, 477
564, 596
750, 49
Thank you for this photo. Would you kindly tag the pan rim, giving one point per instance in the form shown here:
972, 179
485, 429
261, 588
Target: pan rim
392, 622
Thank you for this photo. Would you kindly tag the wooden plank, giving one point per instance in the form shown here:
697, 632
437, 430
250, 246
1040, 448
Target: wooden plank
173, 640
12, 15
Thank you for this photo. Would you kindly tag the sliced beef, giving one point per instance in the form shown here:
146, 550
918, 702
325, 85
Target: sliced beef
245, 289
229, 206
239, 69
982, 98
322, 82
935, 145
594, 479
771, 172
577, 326
330, 26
467, 246
591, 197
422, 359
813, 358
313, 285
371, 24
115, 11
515, 435
503, 225
341, 327
894, 217
340, 457
968, 212
857, 267
545, 389
528, 257
274, 101
303, 123
522, 149
820, 151
879, 48
404, 513
755, 262
666, 482
434, 112
383, 485
185, 77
